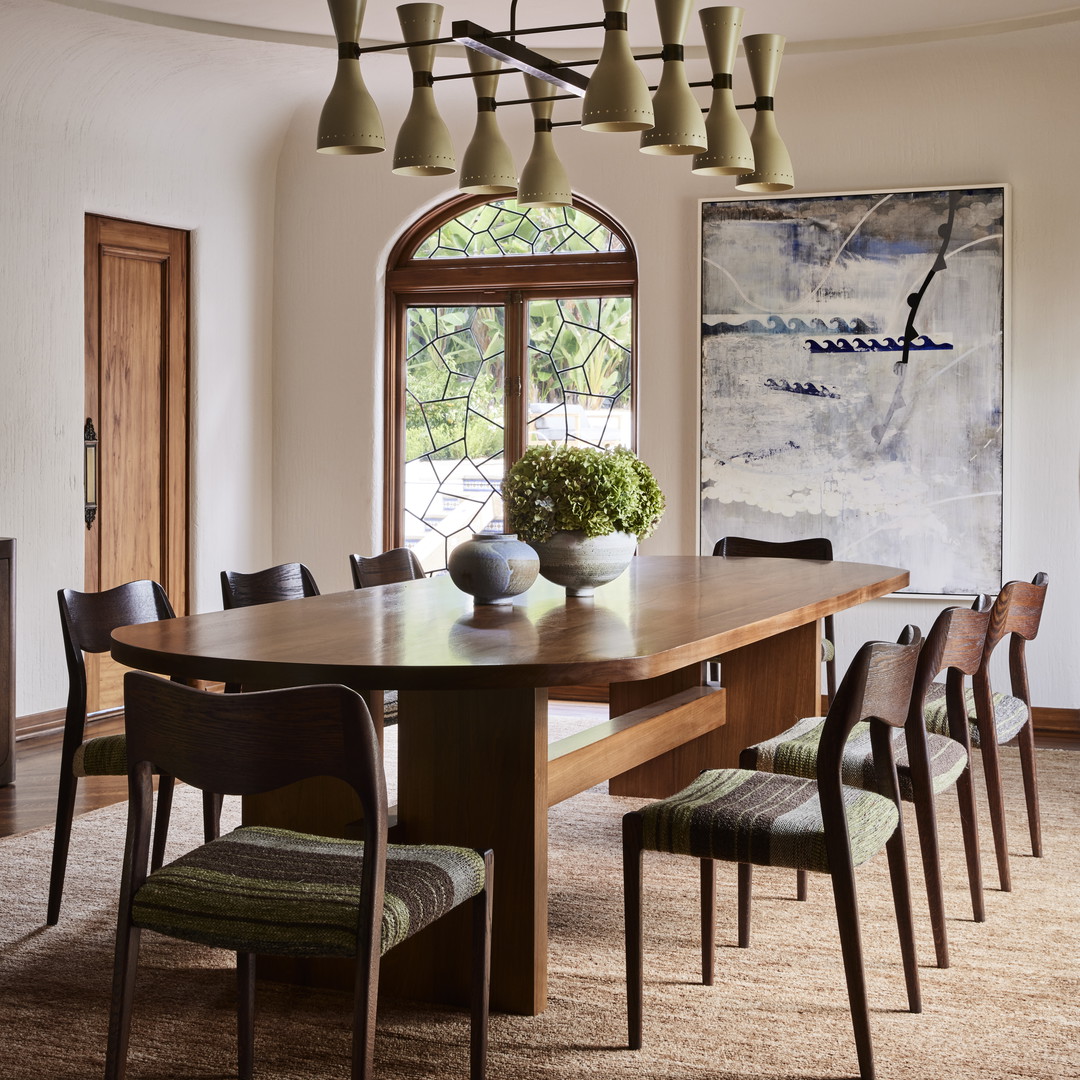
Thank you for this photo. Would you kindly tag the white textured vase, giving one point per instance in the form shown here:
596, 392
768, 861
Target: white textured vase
493, 568
582, 563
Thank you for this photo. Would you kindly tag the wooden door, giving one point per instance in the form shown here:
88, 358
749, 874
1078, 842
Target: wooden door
137, 398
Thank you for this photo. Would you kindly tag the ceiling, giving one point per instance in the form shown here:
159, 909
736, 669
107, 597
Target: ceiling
820, 26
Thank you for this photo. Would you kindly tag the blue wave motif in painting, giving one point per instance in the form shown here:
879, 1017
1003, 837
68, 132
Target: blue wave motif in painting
801, 388
777, 324
920, 343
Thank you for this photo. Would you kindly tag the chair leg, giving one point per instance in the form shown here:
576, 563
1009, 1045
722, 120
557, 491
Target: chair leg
123, 994
708, 921
969, 824
365, 1004
65, 809
245, 1014
746, 884
992, 770
901, 889
161, 820
632, 848
481, 975
802, 879
1026, 740
847, 920
211, 815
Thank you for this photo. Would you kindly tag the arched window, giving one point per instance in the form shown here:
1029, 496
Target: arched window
507, 326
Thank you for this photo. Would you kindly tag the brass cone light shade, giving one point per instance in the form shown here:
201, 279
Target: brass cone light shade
349, 123
772, 164
423, 146
617, 98
679, 127
730, 151
543, 180
488, 166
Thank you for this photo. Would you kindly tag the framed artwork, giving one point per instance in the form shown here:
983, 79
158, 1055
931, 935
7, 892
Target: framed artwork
852, 377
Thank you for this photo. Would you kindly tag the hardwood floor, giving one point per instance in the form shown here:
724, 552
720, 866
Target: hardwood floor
30, 803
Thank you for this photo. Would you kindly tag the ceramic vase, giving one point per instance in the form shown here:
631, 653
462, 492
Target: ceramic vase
493, 568
583, 563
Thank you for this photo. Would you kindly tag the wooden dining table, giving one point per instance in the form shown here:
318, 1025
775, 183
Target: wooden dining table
475, 766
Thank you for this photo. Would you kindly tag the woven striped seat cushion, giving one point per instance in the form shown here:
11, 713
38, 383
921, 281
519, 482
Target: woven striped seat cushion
1010, 713
105, 755
795, 751
764, 818
389, 707
269, 890
828, 650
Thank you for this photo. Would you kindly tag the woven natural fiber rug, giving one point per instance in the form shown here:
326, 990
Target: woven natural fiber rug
1009, 1007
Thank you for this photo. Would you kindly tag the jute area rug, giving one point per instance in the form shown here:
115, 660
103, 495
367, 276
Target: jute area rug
1007, 1008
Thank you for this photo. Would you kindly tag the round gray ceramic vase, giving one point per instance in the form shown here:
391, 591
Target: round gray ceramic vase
582, 563
493, 568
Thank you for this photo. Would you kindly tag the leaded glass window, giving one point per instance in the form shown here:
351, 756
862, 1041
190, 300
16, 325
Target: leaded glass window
540, 350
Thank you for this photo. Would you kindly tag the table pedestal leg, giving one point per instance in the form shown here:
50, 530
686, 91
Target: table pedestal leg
472, 771
770, 684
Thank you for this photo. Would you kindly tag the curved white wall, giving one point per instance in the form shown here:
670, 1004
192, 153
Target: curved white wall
104, 116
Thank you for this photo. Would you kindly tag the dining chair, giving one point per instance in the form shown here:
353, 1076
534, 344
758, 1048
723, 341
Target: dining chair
387, 568
927, 764
274, 891
288, 581
771, 819
818, 548
994, 718
87, 620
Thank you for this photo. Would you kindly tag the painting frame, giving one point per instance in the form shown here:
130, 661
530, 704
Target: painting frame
854, 370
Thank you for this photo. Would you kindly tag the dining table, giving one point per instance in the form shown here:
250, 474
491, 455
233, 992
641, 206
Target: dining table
475, 765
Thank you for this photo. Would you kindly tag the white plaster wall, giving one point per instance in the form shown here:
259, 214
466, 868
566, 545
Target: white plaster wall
105, 116
970, 111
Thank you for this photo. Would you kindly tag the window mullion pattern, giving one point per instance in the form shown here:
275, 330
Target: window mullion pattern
580, 371
454, 426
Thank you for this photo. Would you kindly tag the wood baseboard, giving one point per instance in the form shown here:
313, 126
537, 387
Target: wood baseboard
1056, 721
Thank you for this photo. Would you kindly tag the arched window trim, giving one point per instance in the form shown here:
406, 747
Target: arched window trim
477, 279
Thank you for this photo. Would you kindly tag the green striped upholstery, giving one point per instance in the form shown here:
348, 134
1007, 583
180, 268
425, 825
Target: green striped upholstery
266, 890
389, 707
794, 752
828, 650
1010, 713
105, 755
764, 818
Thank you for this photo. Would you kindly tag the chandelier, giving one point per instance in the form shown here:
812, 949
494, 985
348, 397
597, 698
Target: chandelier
615, 98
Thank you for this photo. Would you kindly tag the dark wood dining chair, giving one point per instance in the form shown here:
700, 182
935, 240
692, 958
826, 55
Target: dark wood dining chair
769, 819
274, 891
87, 620
994, 718
288, 581
814, 547
927, 764
387, 568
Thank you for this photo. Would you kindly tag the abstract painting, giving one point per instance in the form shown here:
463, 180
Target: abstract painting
852, 366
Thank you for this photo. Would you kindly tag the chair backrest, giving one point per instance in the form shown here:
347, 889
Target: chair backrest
397, 564
813, 547
289, 581
245, 744
88, 620
877, 688
955, 645
1017, 613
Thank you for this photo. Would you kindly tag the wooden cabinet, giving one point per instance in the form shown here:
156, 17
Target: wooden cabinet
7, 661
